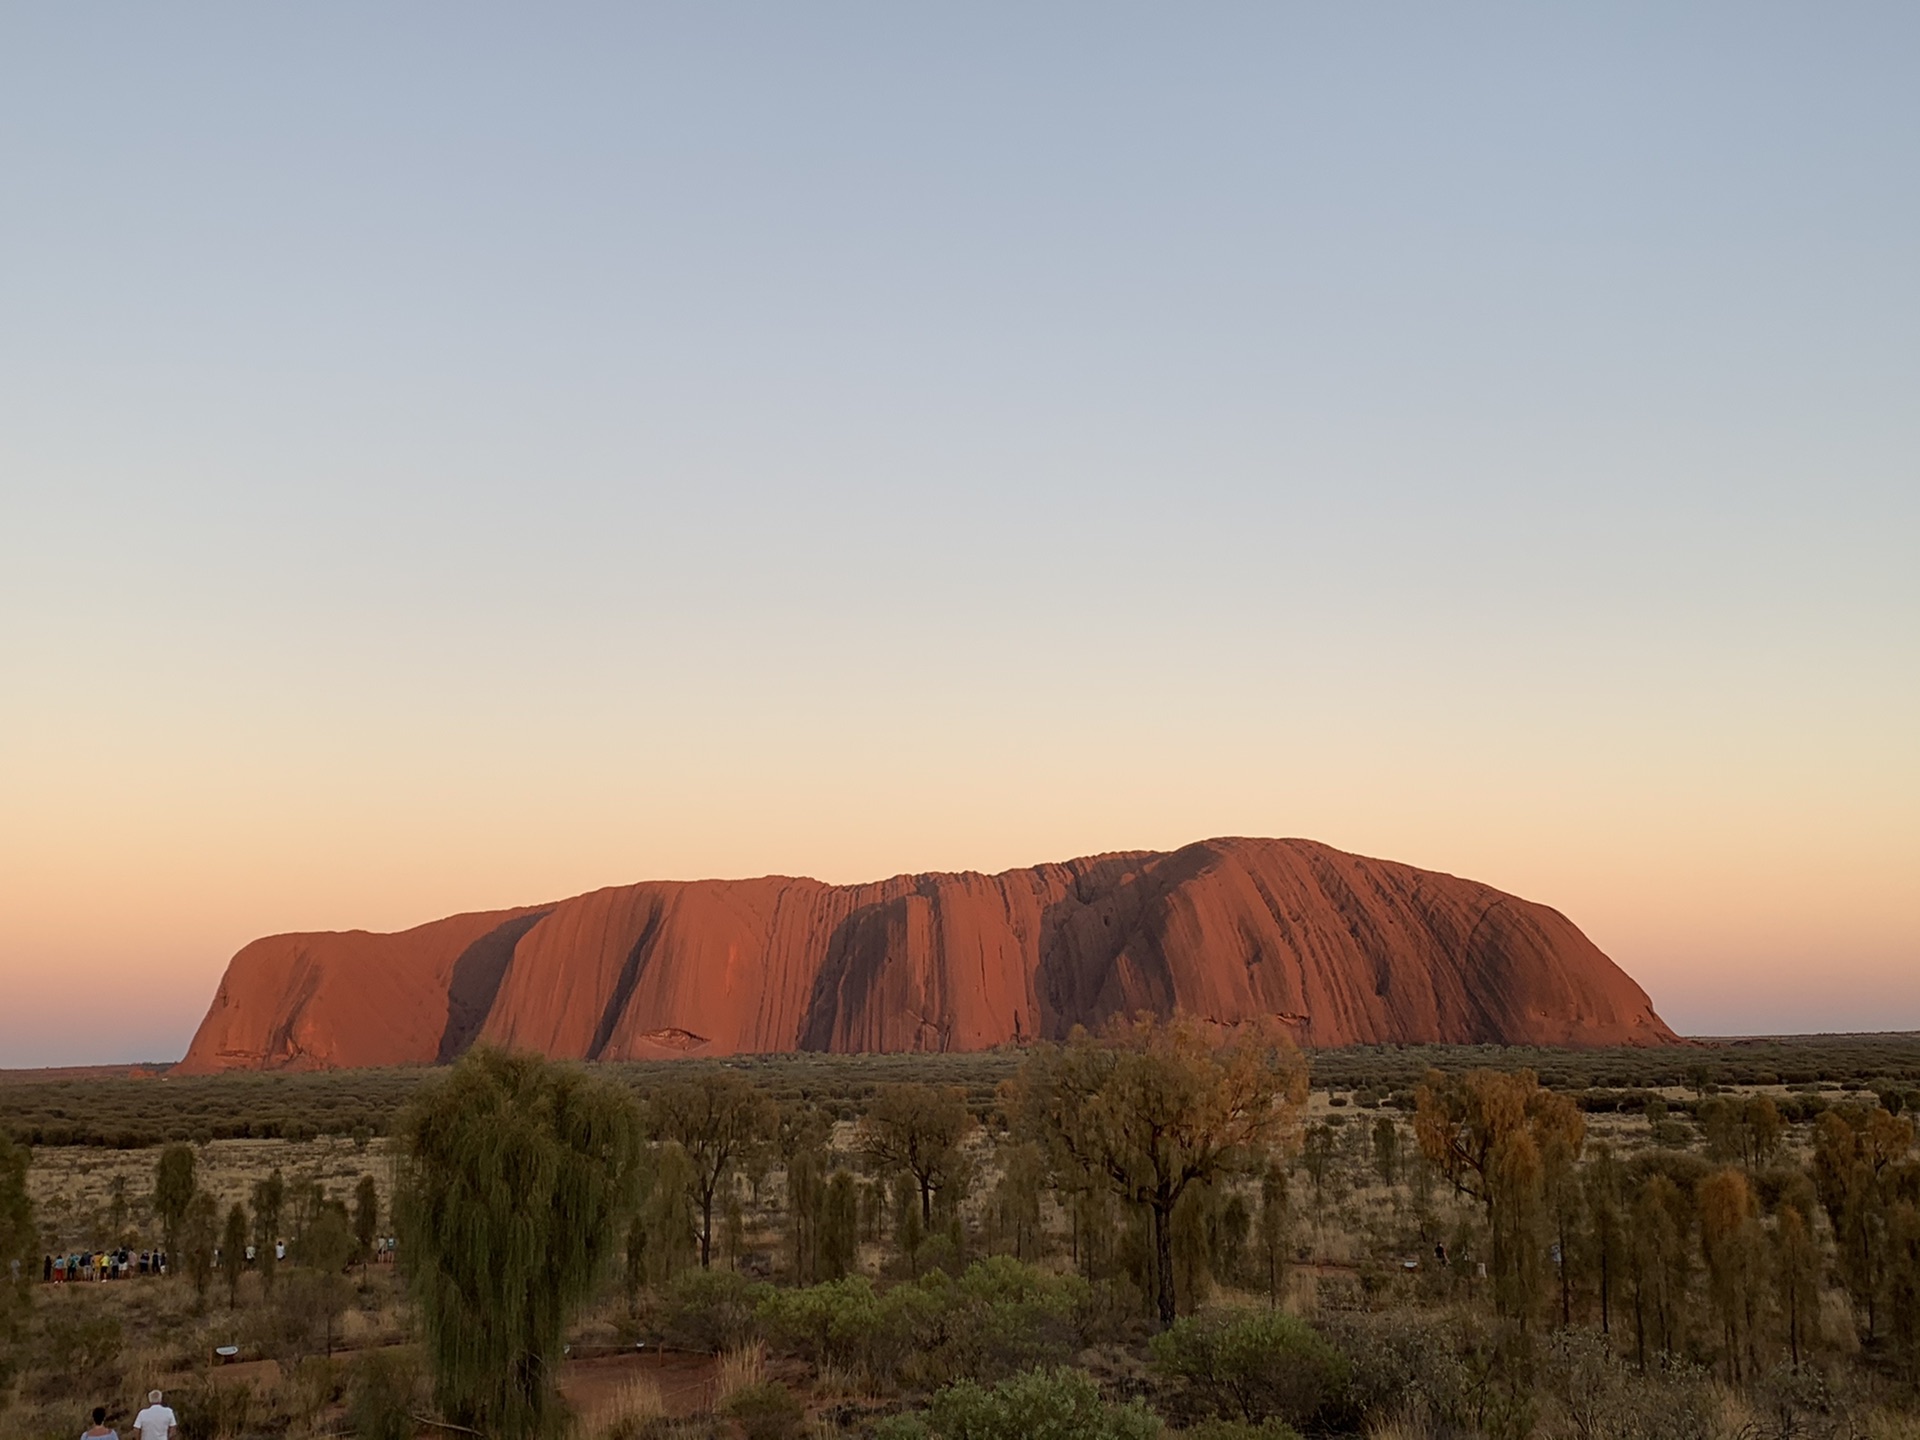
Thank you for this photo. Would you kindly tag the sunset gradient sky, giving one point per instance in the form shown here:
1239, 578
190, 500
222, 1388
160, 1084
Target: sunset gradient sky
453, 456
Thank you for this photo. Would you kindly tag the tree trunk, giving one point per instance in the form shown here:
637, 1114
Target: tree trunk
1163, 1259
926, 1203
706, 1229
1566, 1278
1606, 1292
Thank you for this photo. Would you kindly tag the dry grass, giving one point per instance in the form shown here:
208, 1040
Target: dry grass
842, 1382
738, 1370
635, 1406
1402, 1429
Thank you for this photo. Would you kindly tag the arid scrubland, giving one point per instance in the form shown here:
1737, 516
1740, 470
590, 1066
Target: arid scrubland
1712, 1242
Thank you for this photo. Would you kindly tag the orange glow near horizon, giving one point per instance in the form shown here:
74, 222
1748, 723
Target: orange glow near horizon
141, 872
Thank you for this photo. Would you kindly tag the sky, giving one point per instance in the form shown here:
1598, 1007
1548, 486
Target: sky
461, 455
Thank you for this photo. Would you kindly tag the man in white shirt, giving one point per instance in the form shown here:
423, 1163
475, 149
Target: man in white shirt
156, 1422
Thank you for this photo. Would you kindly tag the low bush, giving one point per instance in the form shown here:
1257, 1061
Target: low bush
1249, 1365
1059, 1404
767, 1411
711, 1310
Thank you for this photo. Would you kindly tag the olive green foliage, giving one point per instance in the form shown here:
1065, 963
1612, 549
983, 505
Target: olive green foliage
1863, 1172
327, 1242
1059, 1404
800, 1137
1240, 1430
233, 1253
517, 1179
18, 1244
77, 1351
198, 1238
710, 1310
380, 1398
663, 1238
998, 1317
269, 1201
1148, 1108
716, 1118
839, 1227
173, 1190
920, 1130
1250, 1365
767, 1411
366, 1217
134, 1113
1016, 1213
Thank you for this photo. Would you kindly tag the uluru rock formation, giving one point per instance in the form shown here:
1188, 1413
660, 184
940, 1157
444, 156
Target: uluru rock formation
1343, 949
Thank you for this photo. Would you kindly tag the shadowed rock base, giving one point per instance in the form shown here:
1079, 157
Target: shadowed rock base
1343, 949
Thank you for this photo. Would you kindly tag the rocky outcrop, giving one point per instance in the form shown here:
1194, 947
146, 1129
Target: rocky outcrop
1343, 949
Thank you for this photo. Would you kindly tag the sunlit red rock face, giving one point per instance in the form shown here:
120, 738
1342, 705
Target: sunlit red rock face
1344, 949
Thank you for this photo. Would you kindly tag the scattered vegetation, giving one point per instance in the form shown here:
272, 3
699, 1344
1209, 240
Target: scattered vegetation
1135, 1234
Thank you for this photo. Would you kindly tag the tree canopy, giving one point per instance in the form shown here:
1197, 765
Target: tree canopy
919, 1129
1148, 1108
716, 1118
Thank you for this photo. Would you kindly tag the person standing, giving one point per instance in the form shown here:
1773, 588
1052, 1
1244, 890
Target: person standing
156, 1422
99, 1429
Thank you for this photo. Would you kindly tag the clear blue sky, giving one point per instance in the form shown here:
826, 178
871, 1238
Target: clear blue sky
452, 455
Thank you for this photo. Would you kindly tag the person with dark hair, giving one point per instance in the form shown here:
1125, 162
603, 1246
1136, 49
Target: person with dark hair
99, 1430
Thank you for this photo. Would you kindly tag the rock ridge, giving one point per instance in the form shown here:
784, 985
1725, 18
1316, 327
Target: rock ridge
1342, 948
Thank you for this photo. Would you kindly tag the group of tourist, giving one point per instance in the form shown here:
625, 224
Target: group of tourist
102, 1265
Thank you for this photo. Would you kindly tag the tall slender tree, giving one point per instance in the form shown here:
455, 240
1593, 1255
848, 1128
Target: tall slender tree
1386, 1149
1604, 1188
366, 1217
1796, 1274
199, 1234
1730, 1244
1858, 1156
1275, 1229
233, 1253
516, 1179
174, 1185
269, 1201
18, 1241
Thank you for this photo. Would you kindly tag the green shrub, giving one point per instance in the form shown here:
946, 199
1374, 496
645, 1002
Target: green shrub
835, 1322
1249, 1365
1004, 1316
380, 1398
77, 1352
1060, 1404
1240, 1430
1401, 1364
1000, 1317
710, 1310
766, 1411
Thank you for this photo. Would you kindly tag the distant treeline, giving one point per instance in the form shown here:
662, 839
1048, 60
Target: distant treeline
133, 1113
